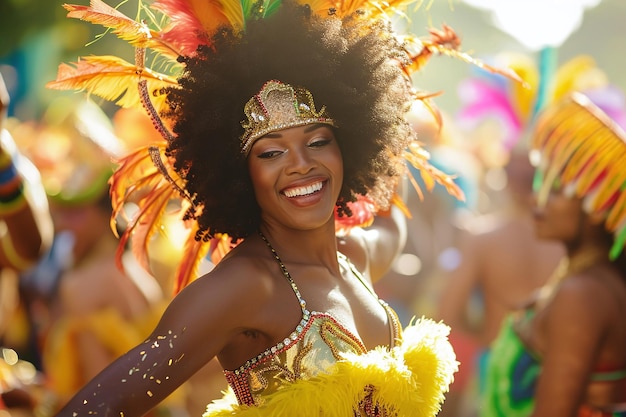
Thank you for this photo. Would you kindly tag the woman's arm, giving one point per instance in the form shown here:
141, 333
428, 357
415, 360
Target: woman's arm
375, 248
459, 285
195, 327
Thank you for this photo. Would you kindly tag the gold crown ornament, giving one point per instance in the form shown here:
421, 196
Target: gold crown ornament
279, 106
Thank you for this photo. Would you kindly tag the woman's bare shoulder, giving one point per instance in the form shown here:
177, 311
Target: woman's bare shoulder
587, 295
222, 302
243, 277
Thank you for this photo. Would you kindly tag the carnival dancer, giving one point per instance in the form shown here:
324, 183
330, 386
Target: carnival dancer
284, 116
564, 353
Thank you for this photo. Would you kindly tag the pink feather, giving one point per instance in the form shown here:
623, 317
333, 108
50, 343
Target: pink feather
185, 29
483, 100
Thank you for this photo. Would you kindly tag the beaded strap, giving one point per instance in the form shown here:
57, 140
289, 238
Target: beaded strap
395, 327
285, 272
295, 335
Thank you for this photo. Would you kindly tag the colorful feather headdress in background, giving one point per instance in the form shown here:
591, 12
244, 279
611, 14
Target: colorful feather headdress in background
174, 29
513, 106
577, 144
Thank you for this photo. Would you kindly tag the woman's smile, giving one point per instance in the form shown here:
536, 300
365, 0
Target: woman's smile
302, 191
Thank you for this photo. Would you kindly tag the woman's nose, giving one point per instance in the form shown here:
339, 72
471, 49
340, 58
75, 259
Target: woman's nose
300, 161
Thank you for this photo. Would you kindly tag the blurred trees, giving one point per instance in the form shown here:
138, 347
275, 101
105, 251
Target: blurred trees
20, 19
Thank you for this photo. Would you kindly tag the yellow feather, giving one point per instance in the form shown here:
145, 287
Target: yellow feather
523, 94
580, 73
583, 151
549, 136
592, 171
590, 152
615, 180
411, 379
617, 215
215, 13
345, 7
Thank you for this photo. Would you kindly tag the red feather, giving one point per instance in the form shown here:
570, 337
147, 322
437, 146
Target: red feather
191, 22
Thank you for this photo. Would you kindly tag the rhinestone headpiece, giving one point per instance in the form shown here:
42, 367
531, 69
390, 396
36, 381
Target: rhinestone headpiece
279, 106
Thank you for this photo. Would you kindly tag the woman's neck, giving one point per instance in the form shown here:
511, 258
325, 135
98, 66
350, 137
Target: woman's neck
303, 246
573, 263
583, 258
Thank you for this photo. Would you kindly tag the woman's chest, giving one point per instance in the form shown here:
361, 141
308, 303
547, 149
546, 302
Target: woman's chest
356, 308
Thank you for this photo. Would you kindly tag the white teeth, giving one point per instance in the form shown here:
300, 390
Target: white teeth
300, 191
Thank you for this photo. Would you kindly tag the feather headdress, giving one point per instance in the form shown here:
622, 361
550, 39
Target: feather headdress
583, 148
514, 105
151, 177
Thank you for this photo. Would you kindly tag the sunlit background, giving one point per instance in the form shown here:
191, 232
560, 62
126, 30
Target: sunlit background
35, 36
601, 34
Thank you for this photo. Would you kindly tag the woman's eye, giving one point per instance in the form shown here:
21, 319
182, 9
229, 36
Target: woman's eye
269, 154
318, 143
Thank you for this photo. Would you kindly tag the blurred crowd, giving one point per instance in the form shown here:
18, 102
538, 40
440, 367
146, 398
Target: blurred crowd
71, 300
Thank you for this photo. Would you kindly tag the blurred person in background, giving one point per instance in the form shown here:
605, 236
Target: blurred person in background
563, 353
85, 307
502, 262
25, 232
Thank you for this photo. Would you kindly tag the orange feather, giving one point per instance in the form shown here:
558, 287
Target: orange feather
136, 33
111, 78
195, 251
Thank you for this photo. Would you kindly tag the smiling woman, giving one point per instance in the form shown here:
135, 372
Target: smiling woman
283, 117
302, 166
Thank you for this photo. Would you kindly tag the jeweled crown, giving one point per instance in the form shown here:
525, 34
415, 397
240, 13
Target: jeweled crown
279, 106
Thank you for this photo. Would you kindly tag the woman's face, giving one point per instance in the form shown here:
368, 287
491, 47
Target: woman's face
297, 175
562, 218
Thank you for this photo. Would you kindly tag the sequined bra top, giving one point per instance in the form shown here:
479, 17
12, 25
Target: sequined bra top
314, 345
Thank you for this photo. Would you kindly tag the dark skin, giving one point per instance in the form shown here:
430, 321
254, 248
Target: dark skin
245, 304
502, 257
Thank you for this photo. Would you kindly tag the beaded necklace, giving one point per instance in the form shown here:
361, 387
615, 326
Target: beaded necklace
284, 271
567, 267
395, 328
